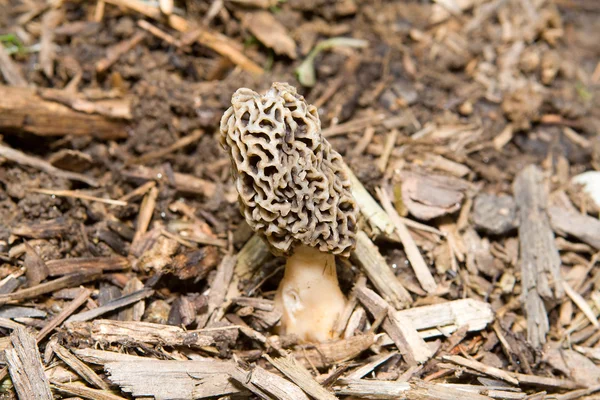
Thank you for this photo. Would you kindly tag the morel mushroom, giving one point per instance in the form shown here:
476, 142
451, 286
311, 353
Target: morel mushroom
293, 191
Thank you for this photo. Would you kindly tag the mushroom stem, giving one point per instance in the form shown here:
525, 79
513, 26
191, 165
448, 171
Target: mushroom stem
309, 295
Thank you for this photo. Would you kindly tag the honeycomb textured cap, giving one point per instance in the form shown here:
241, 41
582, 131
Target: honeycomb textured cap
292, 185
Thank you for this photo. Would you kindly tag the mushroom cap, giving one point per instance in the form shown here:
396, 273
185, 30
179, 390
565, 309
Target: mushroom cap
293, 188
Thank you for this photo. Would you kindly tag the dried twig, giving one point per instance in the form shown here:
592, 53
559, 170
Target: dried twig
30, 161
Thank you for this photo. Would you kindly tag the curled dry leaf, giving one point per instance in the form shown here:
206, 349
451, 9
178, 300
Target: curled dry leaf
431, 196
270, 32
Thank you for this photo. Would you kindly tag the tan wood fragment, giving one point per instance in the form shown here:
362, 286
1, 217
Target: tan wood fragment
52, 286
170, 379
70, 265
178, 144
289, 367
69, 309
25, 367
79, 367
379, 272
413, 254
109, 331
540, 261
145, 214
183, 182
22, 110
85, 392
266, 384
401, 330
484, 369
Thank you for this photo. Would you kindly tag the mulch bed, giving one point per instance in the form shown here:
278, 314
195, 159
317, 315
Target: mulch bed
126, 269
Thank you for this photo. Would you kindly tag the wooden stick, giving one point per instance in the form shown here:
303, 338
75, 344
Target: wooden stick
23, 110
78, 195
79, 367
116, 51
85, 392
52, 286
23, 159
179, 144
147, 26
484, 369
64, 314
413, 254
145, 214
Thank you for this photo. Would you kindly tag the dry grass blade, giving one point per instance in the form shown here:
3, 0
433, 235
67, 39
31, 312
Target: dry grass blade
179, 144
10, 70
581, 303
77, 195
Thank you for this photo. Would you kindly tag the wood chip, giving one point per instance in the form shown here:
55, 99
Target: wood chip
266, 384
484, 369
84, 392
540, 261
379, 272
165, 379
582, 226
183, 182
23, 110
413, 254
52, 286
289, 367
400, 329
131, 332
70, 265
79, 367
25, 367
270, 32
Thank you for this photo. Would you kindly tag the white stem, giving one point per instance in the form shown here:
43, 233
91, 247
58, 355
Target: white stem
309, 295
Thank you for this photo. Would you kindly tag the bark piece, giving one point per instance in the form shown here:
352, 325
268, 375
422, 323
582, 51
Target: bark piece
69, 265
129, 332
168, 379
494, 214
581, 226
25, 367
540, 261
22, 110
